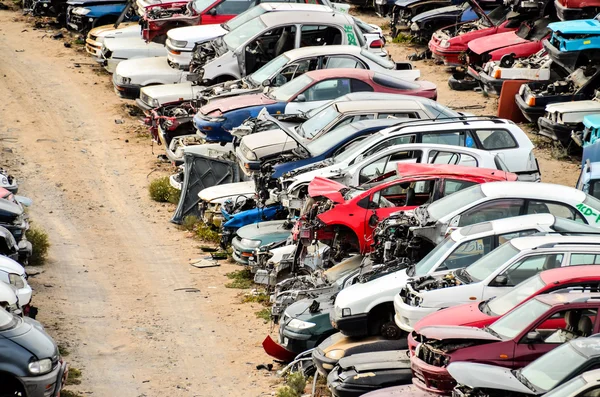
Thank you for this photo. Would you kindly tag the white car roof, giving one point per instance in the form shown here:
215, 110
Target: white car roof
533, 190
531, 242
295, 6
501, 226
304, 52
378, 106
278, 18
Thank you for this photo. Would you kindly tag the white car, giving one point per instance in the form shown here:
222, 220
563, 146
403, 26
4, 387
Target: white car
97, 36
564, 120
493, 275
212, 198
277, 72
360, 307
8, 298
115, 51
13, 274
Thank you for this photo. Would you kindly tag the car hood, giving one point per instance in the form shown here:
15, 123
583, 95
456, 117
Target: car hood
170, 93
376, 360
246, 188
427, 15
269, 142
582, 26
30, 335
10, 208
300, 309
131, 43
456, 332
11, 266
575, 106
124, 29
486, 376
326, 188
344, 267
462, 315
407, 3
145, 67
390, 283
494, 42
271, 230
242, 101
196, 33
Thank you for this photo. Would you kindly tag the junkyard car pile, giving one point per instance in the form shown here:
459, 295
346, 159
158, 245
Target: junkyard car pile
30, 363
406, 247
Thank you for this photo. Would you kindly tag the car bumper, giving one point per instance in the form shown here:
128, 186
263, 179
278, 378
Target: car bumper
449, 57
324, 364
339, 388
110, 64
555, 131
79, 23
356, 325
567, 14
48, 385
94, 48
127, 91
430, 378
143, 105
531, 113
297, 342
249, 167
491, 85
241, 254
407, 316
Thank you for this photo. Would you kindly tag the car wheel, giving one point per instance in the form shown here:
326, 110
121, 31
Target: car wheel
390, 330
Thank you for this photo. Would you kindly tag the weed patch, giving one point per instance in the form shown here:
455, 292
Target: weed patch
260, 297
63, 351
40, 242
240, 279
161, 190
403, 38
205, 233
74, 377
264, 314
295, 385
69, 393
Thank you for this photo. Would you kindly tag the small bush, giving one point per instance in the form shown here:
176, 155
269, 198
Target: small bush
69, 393
261, 297
73, 377
63, 351
403, 38
40, 242
189, 222
241, 279
264, 314
161, 191
205, 233
296, 383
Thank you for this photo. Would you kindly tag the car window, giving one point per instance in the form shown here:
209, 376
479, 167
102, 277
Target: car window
556, 209
294, 70
404, 194
443, 157
233, 7
557, 330
455, 138
531, 265
453, 186
594, 188
502, 238
327, 90
467, 253
343, 62
492, 210
496, 139
399, 115
352, 119
398, 140
584, 259
593, 392
314, 35
360, 86
386, 164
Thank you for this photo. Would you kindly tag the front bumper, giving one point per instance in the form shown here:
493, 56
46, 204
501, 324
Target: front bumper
110, 64
297, 342
430, 378
356, 325
127, 91
407, 316
48, 385
79, 23
241, 254
94, 48
324, 364
144, 107
491, 86
555, 131
531, 113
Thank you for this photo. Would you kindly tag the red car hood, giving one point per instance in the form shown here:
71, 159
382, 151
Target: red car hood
237, 102
456, 332
494, 42
326, 188
462, 315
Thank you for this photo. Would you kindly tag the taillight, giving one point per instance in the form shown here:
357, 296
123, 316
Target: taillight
376, 44
497, 73
531, 101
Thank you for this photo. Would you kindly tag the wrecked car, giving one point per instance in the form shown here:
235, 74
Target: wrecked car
83, 15
574, 43
309, 91
570, 10
493, 275
30, 363
513, 341
565, 119
533, 97
14, 274
589, 139
212, 198
14, 218
250, 237
116, 51
97, 36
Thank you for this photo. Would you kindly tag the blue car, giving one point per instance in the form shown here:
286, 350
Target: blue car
574, 43
84, 15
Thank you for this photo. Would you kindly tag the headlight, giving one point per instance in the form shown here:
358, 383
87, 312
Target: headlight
299, 324
414, 27
81, 11
444, 44
178, 43
250, 155
16, 281
346, 312
40, 367
154, 102
335, 354
250, 243
123, 80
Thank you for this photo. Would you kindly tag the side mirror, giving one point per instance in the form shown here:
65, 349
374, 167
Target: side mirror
455, 221
212, 11
533, 336
192, 77
301, 98
500, 280
373, 220
266, 83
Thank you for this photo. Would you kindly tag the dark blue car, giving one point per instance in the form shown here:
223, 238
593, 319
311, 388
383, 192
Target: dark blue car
84, 15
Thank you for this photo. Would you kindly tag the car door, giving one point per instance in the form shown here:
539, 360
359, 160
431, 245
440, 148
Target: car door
557, 209
225, 10
295, 69
386, 164
268, 45
491, 210
324, 91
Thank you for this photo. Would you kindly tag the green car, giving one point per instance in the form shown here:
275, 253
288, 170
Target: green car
250, 237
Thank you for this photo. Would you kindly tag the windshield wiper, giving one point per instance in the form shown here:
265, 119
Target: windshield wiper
485, 307
524, 380
491, 331
462, 273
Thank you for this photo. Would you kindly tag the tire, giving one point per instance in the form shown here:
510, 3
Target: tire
391, 331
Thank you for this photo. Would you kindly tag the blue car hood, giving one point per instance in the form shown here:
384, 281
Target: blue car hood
248, 217
582, 26
436, 13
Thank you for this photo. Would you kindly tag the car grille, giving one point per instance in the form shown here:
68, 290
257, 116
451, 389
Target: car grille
431, 357
145, 98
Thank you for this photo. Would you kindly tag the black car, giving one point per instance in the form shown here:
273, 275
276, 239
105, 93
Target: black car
30, 364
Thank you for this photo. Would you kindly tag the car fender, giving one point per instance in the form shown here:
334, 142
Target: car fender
519, 50
339, 216
104, 10
225, 65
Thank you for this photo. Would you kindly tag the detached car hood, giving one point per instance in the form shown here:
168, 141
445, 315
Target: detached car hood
435, 13
494, 42
582, 26
195, 34
246, 188
456, 332
486, 376
326, 188
243, 101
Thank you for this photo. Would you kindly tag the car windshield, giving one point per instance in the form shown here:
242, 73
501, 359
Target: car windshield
544, 374
269, 70
381, 61
239, 36
486, 265
527, 288
201, 5
513, 323
426, 264
325, 142
316, 123
454, 202
243, 18
288, 90
567, 389
7, 320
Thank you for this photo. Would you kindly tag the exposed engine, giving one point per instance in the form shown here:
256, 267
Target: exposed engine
166, 12
175, 120
205, 52
570, 85
428, 283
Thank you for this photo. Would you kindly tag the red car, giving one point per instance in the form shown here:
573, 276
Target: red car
451, 43
481, 314
352, 216
568, 10
513, 341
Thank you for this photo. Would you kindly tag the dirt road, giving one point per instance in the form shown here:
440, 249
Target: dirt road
108, 291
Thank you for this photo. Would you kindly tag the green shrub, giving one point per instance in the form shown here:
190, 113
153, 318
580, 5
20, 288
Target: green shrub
161, 191
40, 242
403, 38
294, 387
264, 314
241, 279
73, 377
189, 222
205, 233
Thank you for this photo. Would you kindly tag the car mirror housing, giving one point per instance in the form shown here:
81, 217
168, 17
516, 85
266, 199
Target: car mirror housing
300, 98
500, 280
533, 336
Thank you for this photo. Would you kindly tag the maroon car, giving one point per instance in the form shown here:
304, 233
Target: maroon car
513, 341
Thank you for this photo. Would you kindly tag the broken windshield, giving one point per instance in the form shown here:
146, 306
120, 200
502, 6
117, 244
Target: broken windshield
239, 36
314, 125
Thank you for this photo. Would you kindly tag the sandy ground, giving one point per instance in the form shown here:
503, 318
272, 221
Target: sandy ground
108, 293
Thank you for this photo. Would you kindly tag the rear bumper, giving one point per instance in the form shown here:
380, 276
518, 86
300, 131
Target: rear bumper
430, 378
449, 57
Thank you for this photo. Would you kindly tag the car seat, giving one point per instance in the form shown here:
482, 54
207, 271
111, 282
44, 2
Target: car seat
585, 326
282, 43
571, 330
410, 196
553, 263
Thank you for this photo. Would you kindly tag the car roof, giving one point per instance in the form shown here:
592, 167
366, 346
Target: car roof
568, 297
365, 124
378, 96
568, 272
550, 240
303, 52
533, 190
278, 18
441, 170
271, 6
377, 106
323, 74
589, 347
468, 122
505, 225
